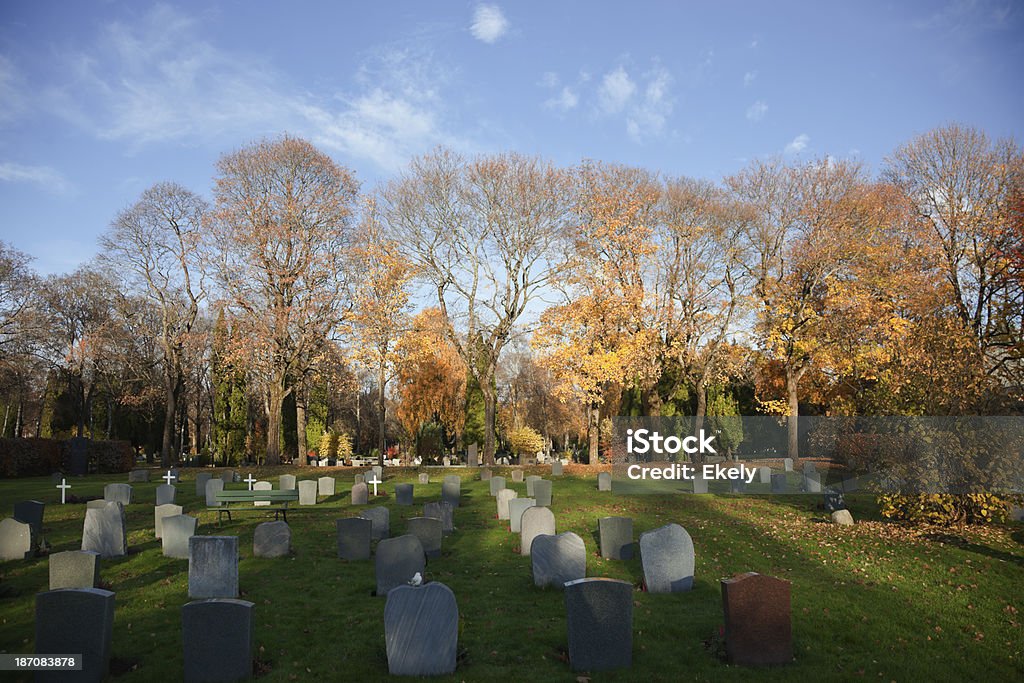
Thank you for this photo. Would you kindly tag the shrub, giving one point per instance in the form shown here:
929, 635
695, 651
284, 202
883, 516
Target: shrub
30, 457
525, 440
344, 447
329, 444
111, 456
944, 508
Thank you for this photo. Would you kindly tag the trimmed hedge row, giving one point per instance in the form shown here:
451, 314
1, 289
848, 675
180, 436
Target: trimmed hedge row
39, 457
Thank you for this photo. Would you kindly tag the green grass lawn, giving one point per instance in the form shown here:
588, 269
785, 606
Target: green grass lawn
876, 601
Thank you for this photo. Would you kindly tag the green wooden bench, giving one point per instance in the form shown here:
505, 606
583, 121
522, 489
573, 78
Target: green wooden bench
278, 502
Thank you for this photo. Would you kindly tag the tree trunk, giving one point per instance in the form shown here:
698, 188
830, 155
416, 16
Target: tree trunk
792, 380
171, 399
381, 417
593, 433
300, 423
698, 420
490, 393
275, 401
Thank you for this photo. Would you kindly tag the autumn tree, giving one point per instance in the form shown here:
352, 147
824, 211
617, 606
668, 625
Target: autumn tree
487, 234
280, 232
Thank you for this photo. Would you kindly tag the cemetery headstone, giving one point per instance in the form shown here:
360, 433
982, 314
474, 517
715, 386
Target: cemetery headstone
787, 464
212, 566
442, 511
424, 478
531, 480
201, 479
834, 501
354, 535
473, 455
397, 561
486, 474
359, 479
534, 522
121, 493
446, 461
842, 517
616, 534
381, 519
516, 508
165, 494
272, 539
604, 481
812, 482
227, 477
556, 468
451, 492
177, 531
430, 533
162, 511
557, 559
75, 621
262, 486
74, 569
421, 630
496, 484
105, 529
758, 624
360, 494
325, 486
403, 494
503, 497
78, 448
213, 487
307, 492
30, 512
542, 492
668, 558
599, 617
779, 483
286, 482
517, 476
700, 485
737, 485
15, 539
217, 640
138, 476
379, 471
764, 475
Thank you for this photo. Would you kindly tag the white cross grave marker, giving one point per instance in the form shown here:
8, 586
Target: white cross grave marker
63, 486
374, 481
169, 477
250, 481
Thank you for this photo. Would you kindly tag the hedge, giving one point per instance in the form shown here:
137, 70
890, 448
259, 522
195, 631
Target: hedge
39, 457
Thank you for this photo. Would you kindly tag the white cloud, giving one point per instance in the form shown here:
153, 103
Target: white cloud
45, 177
549, 80
489, 23
565, 100
756, 111
647, 117
749, 78
616, 90
798, 144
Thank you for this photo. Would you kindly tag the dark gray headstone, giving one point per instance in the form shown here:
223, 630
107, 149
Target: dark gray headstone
403, 494
556, 468
531, 480
165, 493
227, 477
451, 491
397, 561
442, 511
381, 519
307, 492
616, 535
668, 559
78, 448
138, 476
75, 621
177, 531
496, 484
286, 482
272, 539
502, 499
162, 511
360, 494
74, 569
833, 501
213, 487
424, 478
557, 559
212, 566
325, 486
430, 531
599, 617
473, 455
421, 630
217, 639
30, 512
758, 620
809, 467
779, 483
354, 535
737, 486
542, 492
105, 529
604, 481
121, 493
534, 522
516, 508
15, 540
201, 479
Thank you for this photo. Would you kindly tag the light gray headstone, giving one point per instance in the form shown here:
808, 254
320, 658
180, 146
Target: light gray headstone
616, 534
842, 517
213, 487
272, 539
354, 535
74, 569
530, 481
212, 566
446, 461
381, 518
325, 486
121, 493
451, 492
15, 539
307, 492
503, 497
75, 621
105, 529
421, 630
201, 479
162, 511
534, 522
442, 511
359, 479
542, 492
217, 640
453, 479
668, 559
810, 467
516, 508
599, 617
227, 477
473, 455
424, 478
604, 481
176, 532
165, 493
557, 559
517, 476
779, 483
262, 486
31, 512
360, 494
700, 485
379, 471
765, 475
138, 476
787, 464
430, 531
403, 494
812, 482
556, 468
496, 484
286, 482
397, 561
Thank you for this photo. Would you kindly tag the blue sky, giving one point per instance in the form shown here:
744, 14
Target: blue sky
99, 100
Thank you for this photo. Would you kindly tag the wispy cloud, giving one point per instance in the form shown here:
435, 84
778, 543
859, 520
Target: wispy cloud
645, 101
749, 78
565, 100
46, 178
489, 23
798, 144
616, 90
756, 111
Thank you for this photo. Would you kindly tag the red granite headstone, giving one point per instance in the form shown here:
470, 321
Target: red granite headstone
758, 628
